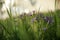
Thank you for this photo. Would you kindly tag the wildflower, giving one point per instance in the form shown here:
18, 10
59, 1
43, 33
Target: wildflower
49, 19
39, 16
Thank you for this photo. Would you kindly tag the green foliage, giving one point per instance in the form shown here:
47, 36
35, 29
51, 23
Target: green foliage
35, 27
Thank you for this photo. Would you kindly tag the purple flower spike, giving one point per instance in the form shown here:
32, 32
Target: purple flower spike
48, 19
39, 16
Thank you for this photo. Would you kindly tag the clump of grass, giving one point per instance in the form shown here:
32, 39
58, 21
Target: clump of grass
34, 27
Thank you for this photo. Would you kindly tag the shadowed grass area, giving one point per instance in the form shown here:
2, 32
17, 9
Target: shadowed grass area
31, 27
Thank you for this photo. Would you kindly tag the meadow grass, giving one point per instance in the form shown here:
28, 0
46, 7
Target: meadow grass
31, 27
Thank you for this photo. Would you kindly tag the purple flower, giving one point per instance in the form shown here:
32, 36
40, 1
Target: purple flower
49, 19
39, 16
38, 19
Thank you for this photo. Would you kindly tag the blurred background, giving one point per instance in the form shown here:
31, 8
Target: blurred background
29, 19
20, 6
